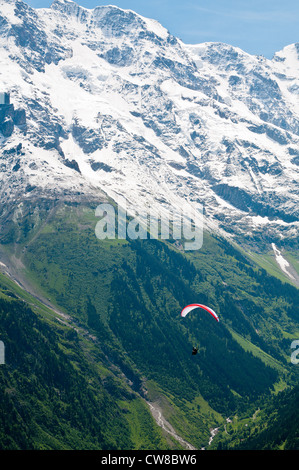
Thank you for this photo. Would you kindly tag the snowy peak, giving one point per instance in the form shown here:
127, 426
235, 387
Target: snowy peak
68, 7
112, 20
287, 60
115, 103
25, 38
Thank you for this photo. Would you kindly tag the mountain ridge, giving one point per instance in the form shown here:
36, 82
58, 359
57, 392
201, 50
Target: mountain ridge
125, 108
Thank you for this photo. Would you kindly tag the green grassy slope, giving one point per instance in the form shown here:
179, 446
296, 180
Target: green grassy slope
129, 296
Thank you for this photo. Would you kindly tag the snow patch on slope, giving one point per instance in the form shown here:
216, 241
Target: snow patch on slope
282, 262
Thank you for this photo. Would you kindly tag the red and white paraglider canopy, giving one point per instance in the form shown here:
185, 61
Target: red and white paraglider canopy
190, 307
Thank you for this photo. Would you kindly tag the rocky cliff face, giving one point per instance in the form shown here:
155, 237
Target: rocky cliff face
114, 103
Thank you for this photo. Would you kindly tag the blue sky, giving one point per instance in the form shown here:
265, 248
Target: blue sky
260, 27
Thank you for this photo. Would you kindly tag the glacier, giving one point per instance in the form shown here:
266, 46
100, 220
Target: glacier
117, 107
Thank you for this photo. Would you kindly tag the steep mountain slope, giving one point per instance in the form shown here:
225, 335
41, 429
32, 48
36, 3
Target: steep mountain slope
106, 104
58, 390
115, 103
274, 427
128, 295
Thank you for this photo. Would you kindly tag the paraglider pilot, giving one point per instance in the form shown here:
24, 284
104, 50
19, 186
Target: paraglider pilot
194, 351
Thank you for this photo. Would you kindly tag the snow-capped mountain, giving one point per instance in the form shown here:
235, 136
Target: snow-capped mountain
115, 104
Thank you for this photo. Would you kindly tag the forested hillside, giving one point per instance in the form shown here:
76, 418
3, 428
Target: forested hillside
272, 427
128, 295
58, 391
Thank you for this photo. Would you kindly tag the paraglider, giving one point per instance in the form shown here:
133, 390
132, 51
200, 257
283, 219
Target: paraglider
191, 307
